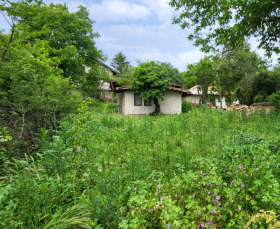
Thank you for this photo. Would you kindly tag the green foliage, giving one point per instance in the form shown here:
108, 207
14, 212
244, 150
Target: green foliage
226, 23
120, 63
204, 74
151, 80
275, 99
187, 106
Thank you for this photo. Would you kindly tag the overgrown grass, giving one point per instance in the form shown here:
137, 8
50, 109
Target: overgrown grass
112, 166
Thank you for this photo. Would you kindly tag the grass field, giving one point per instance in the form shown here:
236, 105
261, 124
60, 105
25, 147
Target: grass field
200, 169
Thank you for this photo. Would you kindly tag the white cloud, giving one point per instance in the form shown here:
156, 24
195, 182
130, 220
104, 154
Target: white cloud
118, 10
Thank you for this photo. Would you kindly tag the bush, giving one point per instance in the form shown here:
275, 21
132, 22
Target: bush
275, 99
186, 106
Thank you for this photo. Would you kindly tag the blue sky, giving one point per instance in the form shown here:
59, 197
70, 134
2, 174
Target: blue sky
141, 29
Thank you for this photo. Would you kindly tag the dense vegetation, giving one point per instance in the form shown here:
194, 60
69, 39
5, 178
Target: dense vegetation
180, 171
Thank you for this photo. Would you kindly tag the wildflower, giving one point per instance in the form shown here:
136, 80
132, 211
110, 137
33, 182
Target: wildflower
155, 194
149, 210
210, 219
135, 189
232, 201
263, 156
194, 165
219, 204
240, 166
214, 211
236, 155
239, 208
193, 196
205, 198
209, 193
237, 170
169, 224
159, 186
202, 224
201, 171
257, 169
217, 198
246, 175
254, 158
197, 226
242, 185
217, 184
161, 198
209, 223
182, 170
175, 195
208, 184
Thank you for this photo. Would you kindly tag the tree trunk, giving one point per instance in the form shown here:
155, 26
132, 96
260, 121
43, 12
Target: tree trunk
157, 108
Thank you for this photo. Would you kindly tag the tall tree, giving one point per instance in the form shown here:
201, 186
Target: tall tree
151, 80
120, 63
173, 72
221, 23
204, 72
69, 35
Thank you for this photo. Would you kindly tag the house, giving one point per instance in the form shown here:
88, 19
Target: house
194, 95
104, 87
130, 102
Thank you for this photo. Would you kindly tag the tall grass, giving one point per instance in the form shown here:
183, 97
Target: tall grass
98, 159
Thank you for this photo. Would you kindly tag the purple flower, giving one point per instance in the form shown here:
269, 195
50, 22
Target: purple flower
236, 155
240, 166
257, 169
135, 189
209, 193
210, 219
182, 170
217, 198
149, 210
201, 171
159, 186
205, 198
175, 195
202, 224
242, 185
197, 226
232, 201
169, 225
219, 204
194, 165
254, 158
237, 170
217, 184
155, 194
246, 175
208, 184
193, 196
239, 208
214, 211
209, 223
161, 199
263, 156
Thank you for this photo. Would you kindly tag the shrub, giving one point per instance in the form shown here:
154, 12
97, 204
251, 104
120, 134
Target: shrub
186, 106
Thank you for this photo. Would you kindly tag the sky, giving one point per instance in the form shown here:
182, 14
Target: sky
141, 29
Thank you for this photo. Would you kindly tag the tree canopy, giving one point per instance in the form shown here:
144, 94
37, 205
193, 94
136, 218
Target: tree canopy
122, 65
151, 80
226, 23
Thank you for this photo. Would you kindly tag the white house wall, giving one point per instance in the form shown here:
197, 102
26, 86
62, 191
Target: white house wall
170, 105
192, 99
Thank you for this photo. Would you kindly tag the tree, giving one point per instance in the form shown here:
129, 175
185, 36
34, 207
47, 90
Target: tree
151, 80
120, 63
69, 37
222, 23
173, 72
204, 72
238, 70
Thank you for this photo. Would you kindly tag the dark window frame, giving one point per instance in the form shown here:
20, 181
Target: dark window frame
138, 105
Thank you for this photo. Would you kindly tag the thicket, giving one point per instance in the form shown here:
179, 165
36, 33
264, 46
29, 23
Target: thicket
100, 170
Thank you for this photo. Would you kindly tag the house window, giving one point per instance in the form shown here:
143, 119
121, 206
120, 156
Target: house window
137, 100
148, 102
